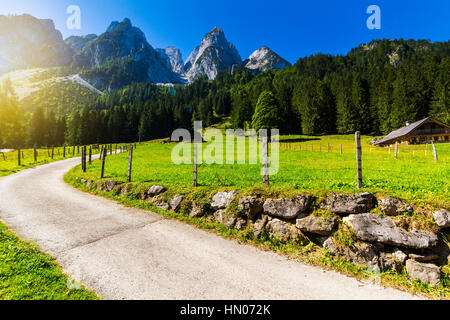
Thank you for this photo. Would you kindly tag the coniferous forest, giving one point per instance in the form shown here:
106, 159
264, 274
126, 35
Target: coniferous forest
375, 88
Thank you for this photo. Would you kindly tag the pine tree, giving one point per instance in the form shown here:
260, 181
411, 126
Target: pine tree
267, 112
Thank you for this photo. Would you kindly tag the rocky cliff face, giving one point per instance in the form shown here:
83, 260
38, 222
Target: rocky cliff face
213, 55
28, 42
78, 43
123, 43
174, 58
265, 59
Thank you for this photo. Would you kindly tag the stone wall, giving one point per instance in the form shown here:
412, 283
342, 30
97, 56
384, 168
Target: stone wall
381, 233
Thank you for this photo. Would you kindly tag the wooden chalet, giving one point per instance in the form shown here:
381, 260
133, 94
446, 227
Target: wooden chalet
424, 131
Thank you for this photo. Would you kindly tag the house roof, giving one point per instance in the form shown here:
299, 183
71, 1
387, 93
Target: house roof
406, 130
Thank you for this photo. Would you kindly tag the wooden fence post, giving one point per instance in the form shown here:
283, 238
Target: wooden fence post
396, 150
130, 162
110, 148
328, 147
35, 154
195, 165
265, 149
341, 148
90, 154
73, 151
53, 152
358, 158
83, 167
18, 157
64, 151
102, 173
435, 153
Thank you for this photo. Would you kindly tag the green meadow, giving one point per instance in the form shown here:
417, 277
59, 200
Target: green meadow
312, 164
26, 273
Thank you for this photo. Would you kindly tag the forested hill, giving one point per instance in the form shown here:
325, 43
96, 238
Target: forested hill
374, 88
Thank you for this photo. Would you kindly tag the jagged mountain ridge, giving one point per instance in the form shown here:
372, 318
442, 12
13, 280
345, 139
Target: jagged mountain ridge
127, 46
25, 34
77, 43
116, 57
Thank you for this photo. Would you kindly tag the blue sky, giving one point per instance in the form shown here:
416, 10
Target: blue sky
292, 28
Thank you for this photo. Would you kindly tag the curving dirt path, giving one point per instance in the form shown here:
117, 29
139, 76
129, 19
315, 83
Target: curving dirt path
124, 253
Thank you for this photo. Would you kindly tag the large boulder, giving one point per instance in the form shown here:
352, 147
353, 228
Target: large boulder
197, 210
287, 208
175, 202
373, 228
126, 188
221, 200
442, 218
160, 203
110, 184
317, 224
100, 185
360, 253
259, 225
222, 217
392, 206
285, 231
349, 203
155, 190
251, 206
392, 260
426, 272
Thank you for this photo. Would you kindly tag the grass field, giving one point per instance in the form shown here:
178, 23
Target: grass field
9, 160
28, 274
412, 176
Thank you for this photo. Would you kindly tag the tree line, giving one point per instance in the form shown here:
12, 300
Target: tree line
375, 88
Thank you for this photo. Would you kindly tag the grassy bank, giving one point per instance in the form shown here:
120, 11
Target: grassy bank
9, 160
28, 274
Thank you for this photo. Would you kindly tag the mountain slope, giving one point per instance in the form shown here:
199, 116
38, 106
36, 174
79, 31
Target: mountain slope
173, 57
213, 55
27, 42
265, 59
78, 43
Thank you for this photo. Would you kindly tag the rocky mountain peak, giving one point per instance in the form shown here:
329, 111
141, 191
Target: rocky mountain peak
215, 54
125, 24
126, 47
